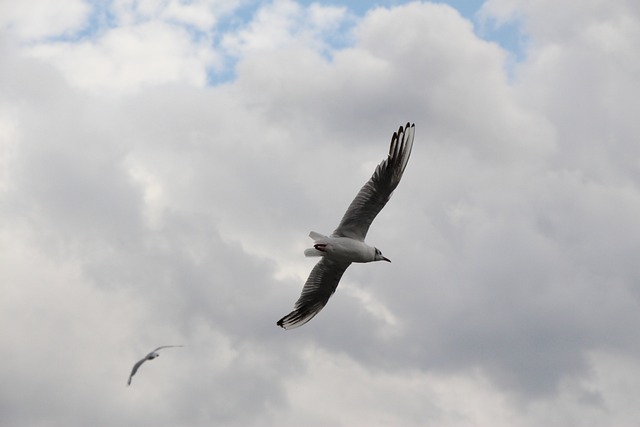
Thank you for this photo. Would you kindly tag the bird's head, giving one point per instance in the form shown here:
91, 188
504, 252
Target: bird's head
379, 257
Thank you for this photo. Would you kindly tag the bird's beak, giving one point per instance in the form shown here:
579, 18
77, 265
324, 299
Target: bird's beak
386, 259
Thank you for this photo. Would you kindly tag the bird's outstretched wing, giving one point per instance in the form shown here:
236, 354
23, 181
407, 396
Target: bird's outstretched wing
166, 346
135, 369
320, 285
377, 191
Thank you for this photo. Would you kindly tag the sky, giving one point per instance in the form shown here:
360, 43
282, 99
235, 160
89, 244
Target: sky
163, 161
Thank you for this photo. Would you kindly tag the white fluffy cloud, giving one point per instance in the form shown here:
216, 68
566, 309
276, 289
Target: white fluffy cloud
285, 23
202, 15
125, 59
33, 19
141, 205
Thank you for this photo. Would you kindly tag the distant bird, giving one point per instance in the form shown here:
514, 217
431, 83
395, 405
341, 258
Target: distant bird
346, 244
149, 356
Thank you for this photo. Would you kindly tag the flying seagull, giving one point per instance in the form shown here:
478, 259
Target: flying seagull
346, 244
149, 356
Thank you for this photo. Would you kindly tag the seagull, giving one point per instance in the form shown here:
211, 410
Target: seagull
346, 244
149, 356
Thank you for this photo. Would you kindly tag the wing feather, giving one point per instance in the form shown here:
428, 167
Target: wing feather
375, 194
135, 369
317, 290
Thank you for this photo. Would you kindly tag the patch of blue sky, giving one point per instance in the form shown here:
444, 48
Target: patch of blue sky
509, 35
358, 7
240, 16
467, 8
224, 73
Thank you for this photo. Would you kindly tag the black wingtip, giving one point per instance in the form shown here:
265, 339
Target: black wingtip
286, 321
402, 130
296, 318
405, 128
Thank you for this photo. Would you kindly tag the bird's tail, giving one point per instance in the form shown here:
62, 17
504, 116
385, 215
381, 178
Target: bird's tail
311, 252
317, 238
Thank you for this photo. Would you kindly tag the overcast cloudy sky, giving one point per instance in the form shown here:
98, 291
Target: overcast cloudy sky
163, 161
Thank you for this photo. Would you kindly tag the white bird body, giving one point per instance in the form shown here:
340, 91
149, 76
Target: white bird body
346, 244
341, 248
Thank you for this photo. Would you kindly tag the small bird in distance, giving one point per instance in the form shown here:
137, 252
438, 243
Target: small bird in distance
149, 356
346, 244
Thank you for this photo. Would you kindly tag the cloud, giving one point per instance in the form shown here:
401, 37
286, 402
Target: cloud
285, 23
35, 19
142, 205
202, 15
127, 58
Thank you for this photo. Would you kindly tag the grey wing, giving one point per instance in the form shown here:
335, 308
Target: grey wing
317, 290
166, 346
135, 369
377, 191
